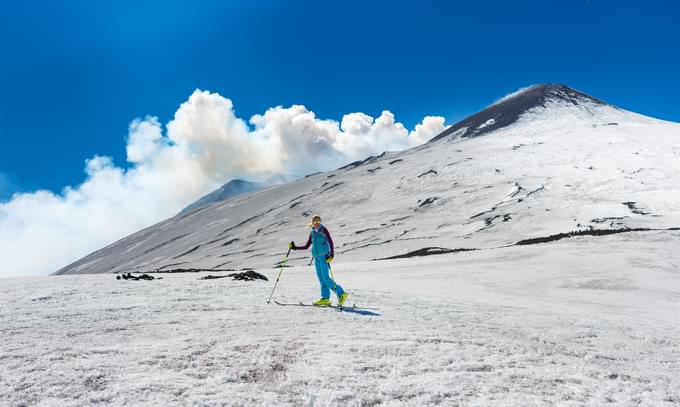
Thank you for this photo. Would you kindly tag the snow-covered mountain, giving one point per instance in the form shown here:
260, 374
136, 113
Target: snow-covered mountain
544, 164
509, 109
233, 188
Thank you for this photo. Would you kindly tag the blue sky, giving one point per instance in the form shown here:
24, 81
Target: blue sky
74, 74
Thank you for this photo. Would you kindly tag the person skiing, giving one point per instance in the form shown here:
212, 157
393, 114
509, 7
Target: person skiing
323, 253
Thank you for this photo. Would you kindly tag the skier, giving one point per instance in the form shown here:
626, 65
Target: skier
322, 251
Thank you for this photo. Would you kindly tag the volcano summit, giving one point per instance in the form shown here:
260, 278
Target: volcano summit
509, 109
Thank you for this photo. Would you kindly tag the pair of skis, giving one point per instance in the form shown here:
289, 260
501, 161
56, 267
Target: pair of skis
352, 307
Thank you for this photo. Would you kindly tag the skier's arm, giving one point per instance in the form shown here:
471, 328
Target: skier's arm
306, 246
330, 241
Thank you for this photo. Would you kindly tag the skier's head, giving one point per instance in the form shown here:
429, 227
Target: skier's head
316, 221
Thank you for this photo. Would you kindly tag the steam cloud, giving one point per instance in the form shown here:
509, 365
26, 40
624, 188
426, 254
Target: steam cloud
204, 146
512, 94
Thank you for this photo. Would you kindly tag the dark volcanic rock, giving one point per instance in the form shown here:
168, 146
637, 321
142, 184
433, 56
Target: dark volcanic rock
591, 232
249, 275
426, 251
129, 276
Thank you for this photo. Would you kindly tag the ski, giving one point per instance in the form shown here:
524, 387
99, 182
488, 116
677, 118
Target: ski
337, 307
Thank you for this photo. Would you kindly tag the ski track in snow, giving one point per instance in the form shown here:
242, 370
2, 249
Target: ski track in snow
506, 327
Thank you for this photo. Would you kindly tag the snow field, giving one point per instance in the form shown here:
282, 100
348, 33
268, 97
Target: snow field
501, 327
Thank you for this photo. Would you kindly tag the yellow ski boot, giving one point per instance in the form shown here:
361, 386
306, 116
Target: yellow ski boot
324, 302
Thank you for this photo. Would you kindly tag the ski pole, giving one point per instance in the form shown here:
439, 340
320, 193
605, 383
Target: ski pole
283, 263
330, 270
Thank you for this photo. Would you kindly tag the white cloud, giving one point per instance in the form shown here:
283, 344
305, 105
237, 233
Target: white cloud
430, 127
145, 140
204, 146
293, 141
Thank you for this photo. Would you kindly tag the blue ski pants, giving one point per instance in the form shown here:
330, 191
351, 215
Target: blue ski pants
325, 280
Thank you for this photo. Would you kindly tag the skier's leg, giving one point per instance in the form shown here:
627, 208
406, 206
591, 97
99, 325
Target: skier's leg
325, 274
325, 290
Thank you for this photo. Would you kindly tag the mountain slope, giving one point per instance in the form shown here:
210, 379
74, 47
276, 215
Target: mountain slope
552, 161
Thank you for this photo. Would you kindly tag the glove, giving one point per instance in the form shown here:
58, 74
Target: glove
291, 246
329, 259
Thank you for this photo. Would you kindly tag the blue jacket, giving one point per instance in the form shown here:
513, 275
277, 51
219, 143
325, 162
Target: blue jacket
321, 242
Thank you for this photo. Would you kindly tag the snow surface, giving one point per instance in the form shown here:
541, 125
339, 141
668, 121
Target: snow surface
487, 123
587, 321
